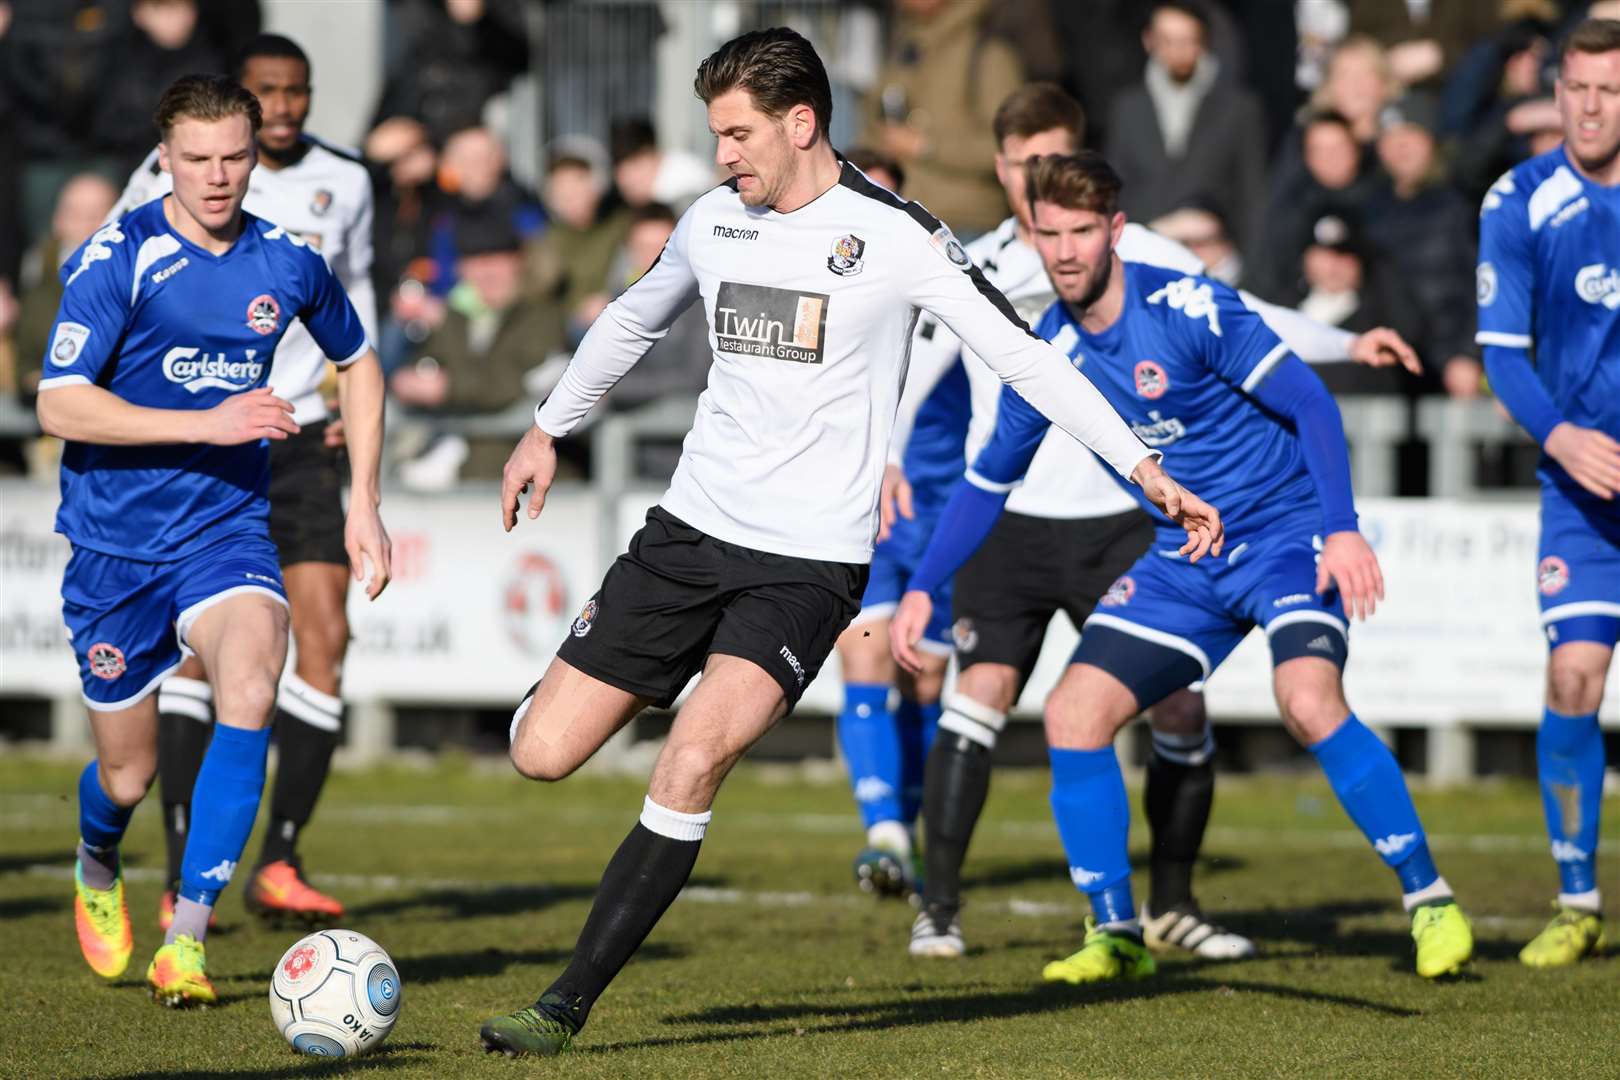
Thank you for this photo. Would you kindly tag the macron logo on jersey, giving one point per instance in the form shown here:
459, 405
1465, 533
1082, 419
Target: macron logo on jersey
196, 370
1192, 298
98, 249
1599, 284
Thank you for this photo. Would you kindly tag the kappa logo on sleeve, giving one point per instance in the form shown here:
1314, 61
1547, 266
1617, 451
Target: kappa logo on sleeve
783, 324
97, 249
68, 343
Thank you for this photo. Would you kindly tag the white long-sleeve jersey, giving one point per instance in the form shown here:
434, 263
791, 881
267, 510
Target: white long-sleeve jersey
1064, 479
810, 323
325, 199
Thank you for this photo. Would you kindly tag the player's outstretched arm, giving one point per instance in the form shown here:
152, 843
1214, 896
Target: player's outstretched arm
82, 412
360, 401
1205, 533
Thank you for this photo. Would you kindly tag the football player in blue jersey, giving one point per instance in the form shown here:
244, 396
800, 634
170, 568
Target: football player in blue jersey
885, 749
1549, 288
155, 379
1203, 380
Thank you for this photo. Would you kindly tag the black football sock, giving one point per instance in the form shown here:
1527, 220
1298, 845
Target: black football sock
955, 784
640, 882
1177, 799
185, 727
309, 724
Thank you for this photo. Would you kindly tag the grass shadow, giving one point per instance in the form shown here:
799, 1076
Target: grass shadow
463, 903
20, 864
435, 967
1320, 927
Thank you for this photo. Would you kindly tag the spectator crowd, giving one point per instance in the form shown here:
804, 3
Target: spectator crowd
1328, 155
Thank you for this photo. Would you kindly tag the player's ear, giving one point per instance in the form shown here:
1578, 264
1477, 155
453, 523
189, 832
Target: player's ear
801, 126
163, 155
1116, 227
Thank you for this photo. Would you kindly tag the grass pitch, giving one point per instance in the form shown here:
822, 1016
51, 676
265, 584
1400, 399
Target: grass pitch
773, 965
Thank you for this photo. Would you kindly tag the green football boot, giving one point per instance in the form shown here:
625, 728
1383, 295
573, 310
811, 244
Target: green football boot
1104, 957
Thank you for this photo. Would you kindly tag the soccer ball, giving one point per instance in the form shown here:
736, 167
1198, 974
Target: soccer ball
335, 993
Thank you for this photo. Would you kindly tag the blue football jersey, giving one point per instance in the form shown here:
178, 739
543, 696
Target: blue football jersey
1178, 365
162, 323
1549, 281
934, 457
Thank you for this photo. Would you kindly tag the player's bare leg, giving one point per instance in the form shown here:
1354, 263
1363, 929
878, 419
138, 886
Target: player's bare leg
734, 704
885, 750
1570, 761
309, 726
109, 789
956, 783
1368, 781
565, 719
1177, 796
242, 642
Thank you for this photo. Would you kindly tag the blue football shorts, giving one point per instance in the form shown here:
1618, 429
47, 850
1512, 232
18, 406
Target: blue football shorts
893, 563
1578, 571
127, 620
1168, 623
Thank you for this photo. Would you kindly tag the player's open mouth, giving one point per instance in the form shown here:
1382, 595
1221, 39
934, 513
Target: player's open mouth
280, 131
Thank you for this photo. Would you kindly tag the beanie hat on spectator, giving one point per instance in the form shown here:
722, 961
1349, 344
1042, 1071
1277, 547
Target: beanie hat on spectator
486, 233
1414, 108
1339, 231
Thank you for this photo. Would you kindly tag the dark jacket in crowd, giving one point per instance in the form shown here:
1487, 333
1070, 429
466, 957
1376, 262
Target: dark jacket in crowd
1453, 24
1223, 163
445, 71
131, 88
53, 61
1430, 239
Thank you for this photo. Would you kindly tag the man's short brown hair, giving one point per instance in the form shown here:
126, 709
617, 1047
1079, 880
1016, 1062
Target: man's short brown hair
777, 67
1037, 107
1083, 181
1593, 36
206, 97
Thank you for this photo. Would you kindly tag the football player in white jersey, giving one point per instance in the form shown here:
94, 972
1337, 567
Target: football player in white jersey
753, 562
322, 195
1068, 533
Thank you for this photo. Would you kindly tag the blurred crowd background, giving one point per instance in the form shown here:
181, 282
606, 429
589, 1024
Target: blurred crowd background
1324, 154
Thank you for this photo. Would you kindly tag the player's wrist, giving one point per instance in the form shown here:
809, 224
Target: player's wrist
1146, 470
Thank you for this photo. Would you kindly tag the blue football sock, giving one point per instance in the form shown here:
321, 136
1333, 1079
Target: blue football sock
1368, 781
866, 734
1569, 760
101, 826
917, 724
1094, 822
223, 806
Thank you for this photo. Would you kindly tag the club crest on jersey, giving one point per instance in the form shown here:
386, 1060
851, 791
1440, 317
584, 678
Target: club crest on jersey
845, 260
68, 342
947, 245
1552, 576
587, 619
321, 202
1151, 381
1119, 593
264, 314
106, 660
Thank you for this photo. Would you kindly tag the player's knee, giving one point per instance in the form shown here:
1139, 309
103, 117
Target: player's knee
1077, 720
537, 761
993, 685
1180, 714
1312, 708
1573, 688
248, 703
126, 783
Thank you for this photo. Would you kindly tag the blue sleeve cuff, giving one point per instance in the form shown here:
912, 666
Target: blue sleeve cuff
1515, 383
1293, 390
969, 515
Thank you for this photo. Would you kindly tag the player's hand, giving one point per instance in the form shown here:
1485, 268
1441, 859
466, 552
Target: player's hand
1589, 456
907, 626
1348, 561
248, 417
894, 501
1383, 347
1205, 533
533, 464
365, 539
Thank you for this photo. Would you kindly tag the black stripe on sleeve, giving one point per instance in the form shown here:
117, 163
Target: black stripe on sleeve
335, 151
856, 181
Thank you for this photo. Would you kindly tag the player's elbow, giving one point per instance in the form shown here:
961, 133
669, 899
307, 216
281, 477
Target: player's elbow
53, 419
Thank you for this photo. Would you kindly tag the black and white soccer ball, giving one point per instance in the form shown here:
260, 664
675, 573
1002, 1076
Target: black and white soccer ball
335, 993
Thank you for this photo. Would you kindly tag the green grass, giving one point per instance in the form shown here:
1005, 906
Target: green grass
774, 966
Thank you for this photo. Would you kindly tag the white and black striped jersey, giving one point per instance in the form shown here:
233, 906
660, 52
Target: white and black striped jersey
325, 199
1064, 479
810, 324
